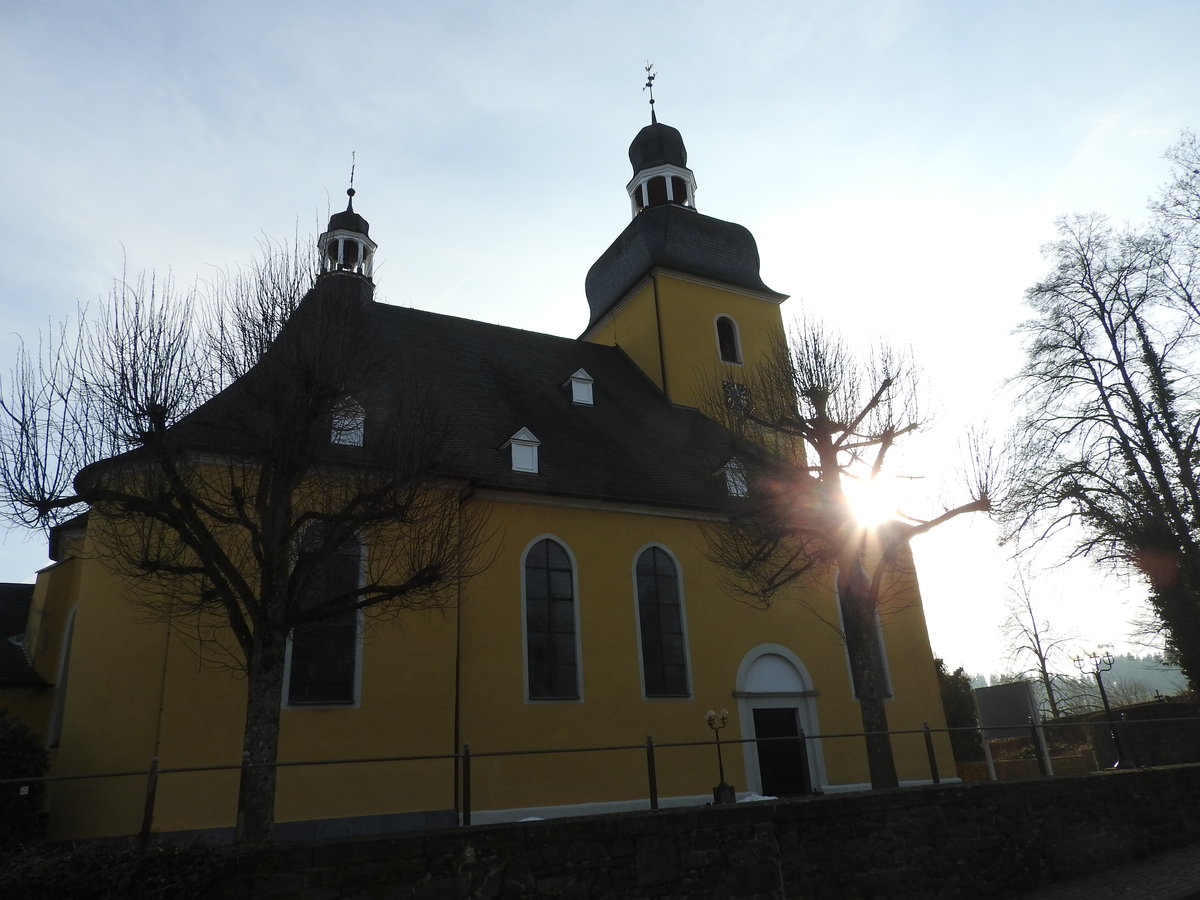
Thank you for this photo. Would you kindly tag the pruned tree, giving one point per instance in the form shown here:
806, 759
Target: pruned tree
1108, 439
1034, 639
810, 418
235, 454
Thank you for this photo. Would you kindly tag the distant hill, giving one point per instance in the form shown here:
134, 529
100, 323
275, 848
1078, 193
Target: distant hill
1131, 679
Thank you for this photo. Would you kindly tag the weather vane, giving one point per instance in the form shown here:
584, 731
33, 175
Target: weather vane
649, 86
353, 161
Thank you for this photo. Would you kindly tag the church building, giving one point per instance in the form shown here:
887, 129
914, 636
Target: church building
594, 620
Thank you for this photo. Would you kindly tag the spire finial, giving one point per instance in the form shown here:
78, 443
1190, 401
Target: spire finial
350, 190
649, 86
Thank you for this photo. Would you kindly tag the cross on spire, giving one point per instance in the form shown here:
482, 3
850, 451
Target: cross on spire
649, 86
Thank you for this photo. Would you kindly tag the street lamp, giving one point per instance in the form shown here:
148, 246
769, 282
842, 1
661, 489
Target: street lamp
722, 793
1096, 662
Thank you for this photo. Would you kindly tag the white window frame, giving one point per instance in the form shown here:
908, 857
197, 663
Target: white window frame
347, 423
737, 483
683, 627
581, 388
536, 701
804, 701
524, 448
356, 702
737, 339
58, 708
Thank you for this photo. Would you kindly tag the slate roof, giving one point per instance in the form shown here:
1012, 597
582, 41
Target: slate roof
15, 671
348, 219
632, 445
673, 237
657, 145
486, 382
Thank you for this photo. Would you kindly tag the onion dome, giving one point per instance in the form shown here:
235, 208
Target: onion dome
345, 246
657, 145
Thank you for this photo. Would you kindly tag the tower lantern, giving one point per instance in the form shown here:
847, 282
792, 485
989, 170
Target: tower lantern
345, 246
659, 159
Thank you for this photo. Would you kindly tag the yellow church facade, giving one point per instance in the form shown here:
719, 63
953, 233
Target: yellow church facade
597, 621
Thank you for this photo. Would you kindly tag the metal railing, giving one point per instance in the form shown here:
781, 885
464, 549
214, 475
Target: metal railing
466, 760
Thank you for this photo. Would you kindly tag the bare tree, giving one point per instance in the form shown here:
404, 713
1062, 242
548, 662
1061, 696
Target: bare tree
1110, 435
226, 454
1035, 639
811, 417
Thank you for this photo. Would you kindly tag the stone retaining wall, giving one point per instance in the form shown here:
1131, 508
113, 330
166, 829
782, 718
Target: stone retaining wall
970, 840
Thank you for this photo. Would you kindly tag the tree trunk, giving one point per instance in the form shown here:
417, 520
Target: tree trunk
866, 666
264, 695
1048, 684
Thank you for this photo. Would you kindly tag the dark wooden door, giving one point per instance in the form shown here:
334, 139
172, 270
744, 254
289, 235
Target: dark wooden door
782, 763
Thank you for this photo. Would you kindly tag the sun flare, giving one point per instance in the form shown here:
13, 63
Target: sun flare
873, 502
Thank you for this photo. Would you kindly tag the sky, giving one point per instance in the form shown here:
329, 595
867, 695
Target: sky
900, 164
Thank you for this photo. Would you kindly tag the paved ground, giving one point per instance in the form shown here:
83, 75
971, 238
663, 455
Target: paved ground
1174, 875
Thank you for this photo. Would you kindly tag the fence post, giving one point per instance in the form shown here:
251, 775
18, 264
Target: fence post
148, 810
651, 772
466, 785
1130, 744
243, 780
1039, 747
933, 769
806, 770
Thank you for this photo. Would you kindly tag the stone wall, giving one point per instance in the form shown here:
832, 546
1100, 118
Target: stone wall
944, 841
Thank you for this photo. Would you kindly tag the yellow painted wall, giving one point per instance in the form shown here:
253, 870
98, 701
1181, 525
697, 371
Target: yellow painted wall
720, 632
137, 691
688, 312
634, 328
668, 327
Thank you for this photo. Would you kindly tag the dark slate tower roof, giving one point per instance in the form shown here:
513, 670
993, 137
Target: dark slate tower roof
668, 233
673, 237
348, 219
657, 145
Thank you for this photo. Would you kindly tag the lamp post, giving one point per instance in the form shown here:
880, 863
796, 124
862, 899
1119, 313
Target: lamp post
1096, 662
722, 793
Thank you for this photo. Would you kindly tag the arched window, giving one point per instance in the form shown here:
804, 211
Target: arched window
660, 625
551, 658
348, 420
323, 656
727, 340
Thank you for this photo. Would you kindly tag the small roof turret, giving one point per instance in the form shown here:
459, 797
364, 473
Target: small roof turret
345, 246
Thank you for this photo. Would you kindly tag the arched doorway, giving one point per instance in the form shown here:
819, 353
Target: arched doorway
777, 704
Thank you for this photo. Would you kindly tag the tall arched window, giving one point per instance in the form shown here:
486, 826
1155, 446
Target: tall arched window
727, 340
660, 624
551, 657
323, 657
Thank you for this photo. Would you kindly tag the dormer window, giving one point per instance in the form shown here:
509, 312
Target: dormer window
524, 448
348, 423
581, 388
736, 482
728, 345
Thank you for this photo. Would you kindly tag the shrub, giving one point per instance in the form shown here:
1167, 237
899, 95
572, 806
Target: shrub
21, 756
